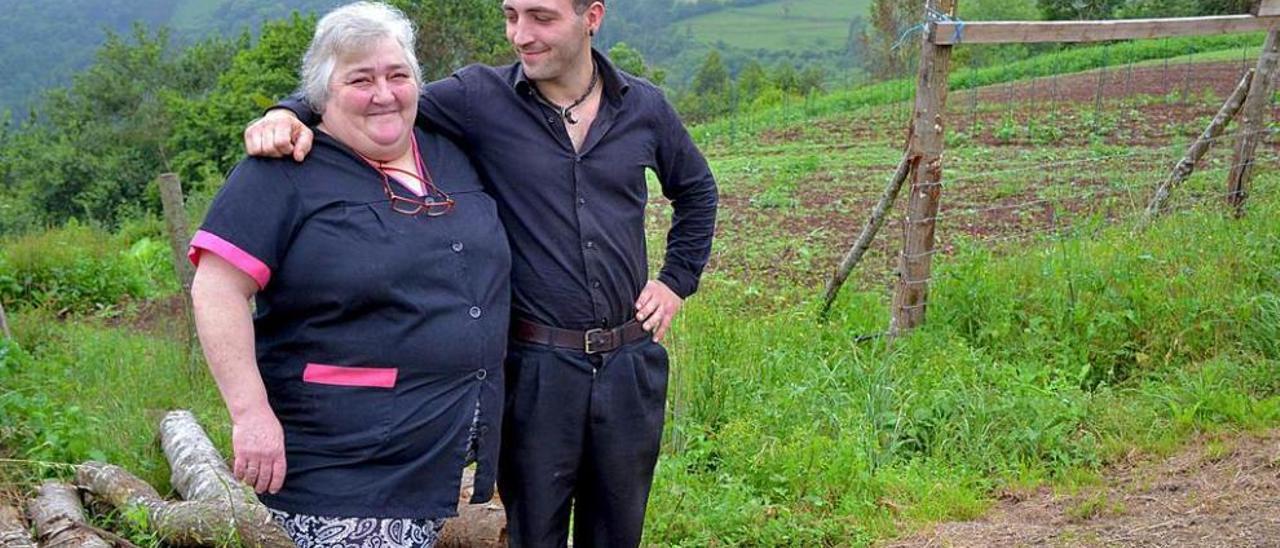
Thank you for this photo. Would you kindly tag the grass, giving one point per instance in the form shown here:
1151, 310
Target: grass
786, 25
784, 432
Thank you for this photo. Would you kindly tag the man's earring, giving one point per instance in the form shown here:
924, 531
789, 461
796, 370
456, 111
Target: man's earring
591, 32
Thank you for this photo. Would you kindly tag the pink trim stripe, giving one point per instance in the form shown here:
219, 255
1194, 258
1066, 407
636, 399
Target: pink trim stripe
241, 259
373, 377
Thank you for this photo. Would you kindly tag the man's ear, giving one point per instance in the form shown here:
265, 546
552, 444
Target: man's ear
595, 17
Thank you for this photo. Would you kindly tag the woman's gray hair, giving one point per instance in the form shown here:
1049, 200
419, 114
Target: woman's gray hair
351, 29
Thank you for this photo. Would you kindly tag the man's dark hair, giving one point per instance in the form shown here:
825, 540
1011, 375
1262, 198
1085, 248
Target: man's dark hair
580, 6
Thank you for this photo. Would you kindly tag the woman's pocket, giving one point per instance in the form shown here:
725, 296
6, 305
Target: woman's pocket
350, 407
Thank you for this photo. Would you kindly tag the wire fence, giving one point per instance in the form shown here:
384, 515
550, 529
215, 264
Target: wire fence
1060, 156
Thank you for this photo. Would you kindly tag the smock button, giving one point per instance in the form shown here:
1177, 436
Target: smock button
475, 312
596, 284
590, 244
457, 247
480, 375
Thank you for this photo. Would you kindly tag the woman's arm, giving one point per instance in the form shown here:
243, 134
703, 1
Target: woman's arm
220, 294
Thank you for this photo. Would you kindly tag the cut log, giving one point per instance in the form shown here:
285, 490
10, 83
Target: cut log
477, 525
177, 523
59, 520
13, 531
198, 473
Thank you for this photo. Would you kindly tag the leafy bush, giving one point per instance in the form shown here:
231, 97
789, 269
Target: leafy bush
77, 269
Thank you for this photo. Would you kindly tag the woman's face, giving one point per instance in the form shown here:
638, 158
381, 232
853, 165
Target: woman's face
373, 99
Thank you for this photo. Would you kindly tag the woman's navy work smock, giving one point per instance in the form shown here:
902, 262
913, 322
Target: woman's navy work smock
377, 333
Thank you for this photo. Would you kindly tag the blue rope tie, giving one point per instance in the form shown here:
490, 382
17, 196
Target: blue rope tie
937, 16
908, 32
933, 16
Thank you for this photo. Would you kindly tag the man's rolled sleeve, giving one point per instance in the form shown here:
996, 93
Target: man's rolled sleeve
687, 181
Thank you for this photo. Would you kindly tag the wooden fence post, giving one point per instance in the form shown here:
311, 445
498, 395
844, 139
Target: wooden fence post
1251, 124
914, 265
175, 220
4, 324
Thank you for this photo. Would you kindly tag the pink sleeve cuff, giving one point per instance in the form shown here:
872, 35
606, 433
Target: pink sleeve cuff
239, 258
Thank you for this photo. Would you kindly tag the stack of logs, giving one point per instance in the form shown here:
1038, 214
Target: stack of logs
215, 509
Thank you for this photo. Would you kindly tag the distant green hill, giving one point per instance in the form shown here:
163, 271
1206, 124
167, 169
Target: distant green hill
44, 42
793, 25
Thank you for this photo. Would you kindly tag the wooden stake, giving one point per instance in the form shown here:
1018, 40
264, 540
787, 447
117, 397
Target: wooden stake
915, 263
13, 532
860, 246
1197, 149
1251, 124
59, 520
175, 220
4, 324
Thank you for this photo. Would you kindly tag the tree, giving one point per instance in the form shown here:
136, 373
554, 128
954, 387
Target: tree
630, 61
1079, 9
208, 130
886, 43
712, 77
94, 147
752, 81
454, 33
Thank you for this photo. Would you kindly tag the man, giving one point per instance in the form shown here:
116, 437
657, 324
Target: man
563, 140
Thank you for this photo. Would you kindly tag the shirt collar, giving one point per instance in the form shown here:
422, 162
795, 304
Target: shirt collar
615, 85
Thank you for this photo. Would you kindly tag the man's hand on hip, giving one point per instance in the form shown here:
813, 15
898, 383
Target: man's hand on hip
278, 134
655, 308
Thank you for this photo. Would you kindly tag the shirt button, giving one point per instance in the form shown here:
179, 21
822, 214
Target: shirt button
475, 312
481, 374
582, 201
456, 247
596, 284
590, 244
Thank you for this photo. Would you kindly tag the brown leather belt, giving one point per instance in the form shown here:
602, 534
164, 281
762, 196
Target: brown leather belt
591, 341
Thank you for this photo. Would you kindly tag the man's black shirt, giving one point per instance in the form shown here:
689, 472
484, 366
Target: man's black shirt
575, 219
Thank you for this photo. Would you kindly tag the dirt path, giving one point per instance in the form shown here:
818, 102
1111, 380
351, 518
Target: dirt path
1220, 491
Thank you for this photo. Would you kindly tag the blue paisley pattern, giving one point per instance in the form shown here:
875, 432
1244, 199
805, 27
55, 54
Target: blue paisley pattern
326, 532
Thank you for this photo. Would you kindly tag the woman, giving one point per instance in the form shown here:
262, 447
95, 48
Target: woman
372, 370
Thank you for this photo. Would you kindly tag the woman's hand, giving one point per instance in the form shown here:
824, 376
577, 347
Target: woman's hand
258, 443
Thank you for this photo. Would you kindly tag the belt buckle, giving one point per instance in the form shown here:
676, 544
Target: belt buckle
593, 337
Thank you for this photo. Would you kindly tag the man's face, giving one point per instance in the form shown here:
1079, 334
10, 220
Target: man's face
549, 35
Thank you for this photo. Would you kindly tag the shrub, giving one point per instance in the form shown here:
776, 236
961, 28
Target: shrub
78, 269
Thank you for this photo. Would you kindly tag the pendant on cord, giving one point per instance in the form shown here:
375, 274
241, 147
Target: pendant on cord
568, 116
567, 112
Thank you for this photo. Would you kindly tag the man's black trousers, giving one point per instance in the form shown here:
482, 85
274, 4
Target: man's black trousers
583, 432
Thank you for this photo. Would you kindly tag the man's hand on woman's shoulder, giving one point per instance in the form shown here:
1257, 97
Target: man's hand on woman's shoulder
278, 134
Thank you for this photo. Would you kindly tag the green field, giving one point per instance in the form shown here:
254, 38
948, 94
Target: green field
792, 25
